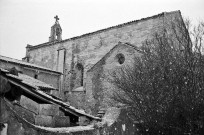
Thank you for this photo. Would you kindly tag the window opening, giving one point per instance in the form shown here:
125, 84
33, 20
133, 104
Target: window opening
120, 58
80, 69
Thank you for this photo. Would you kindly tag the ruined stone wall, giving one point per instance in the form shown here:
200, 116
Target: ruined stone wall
20, 122
15, 124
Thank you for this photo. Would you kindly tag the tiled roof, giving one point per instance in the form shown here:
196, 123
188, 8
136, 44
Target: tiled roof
20, 62
102, 30
32, 82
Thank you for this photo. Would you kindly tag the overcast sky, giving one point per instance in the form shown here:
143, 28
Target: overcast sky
25, 22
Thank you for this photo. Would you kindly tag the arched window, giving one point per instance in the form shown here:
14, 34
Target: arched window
120, 58
79, 74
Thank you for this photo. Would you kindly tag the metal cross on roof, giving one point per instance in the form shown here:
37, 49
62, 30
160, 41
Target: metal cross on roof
56, 17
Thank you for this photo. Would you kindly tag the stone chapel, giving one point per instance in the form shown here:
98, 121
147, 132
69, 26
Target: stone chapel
86, 60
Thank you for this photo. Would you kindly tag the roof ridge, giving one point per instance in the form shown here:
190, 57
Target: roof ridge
9, 57
101, 30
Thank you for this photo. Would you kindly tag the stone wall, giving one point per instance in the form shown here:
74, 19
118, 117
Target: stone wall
49, 78
90, 48
47, 115
99, 88
76, 99
45, 76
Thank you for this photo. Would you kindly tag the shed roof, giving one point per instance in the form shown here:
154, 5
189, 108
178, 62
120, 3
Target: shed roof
37, 84
20, 62
32, 82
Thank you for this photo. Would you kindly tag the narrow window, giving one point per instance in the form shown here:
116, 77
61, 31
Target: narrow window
79, 74
61, 60
60, 66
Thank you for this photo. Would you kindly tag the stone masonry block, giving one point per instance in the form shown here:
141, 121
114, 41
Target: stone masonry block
62, 121
48, 109
46, 121
29, 104
61, 113
26, 114
55, 93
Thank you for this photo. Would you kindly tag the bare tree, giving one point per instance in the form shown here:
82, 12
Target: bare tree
164, 91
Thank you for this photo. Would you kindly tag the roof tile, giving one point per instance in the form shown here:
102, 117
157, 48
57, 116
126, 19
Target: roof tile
37, 84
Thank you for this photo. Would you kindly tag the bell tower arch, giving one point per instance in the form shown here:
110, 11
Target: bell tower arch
56, 31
